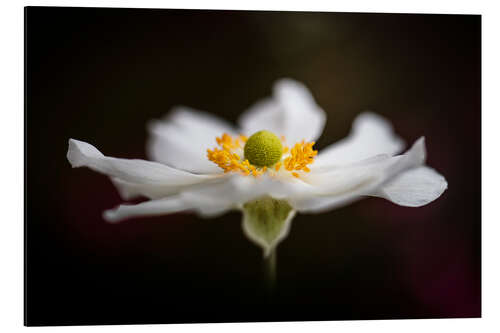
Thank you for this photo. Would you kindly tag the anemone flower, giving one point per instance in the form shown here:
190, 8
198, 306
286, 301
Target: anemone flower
266, 167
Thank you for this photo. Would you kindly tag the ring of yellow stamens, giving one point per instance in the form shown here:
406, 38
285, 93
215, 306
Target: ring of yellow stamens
301, 155
228, 160
228, 157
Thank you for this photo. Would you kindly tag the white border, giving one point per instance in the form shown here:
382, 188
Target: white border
11, 131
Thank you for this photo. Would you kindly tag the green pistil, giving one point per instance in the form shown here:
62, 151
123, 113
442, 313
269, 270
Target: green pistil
263, 148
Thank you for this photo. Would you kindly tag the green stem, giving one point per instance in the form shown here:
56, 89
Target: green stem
270, 270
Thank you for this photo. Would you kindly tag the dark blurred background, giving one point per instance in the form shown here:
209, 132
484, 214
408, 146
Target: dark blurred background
99, 75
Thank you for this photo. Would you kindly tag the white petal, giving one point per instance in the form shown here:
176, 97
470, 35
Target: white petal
236, 190
263, 115
291, 112
343, 185
340, 187
306, 119
133, 171
371, 135
223, 196
129, 190
148, 208
414, 188
182, 138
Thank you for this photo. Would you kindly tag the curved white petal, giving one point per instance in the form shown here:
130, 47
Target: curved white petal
263, 115
129, 190
148, 208
414, 188
371, 135
218, 198
133, 171
236, 190
343, 185
182, 138
305, 120
291, 112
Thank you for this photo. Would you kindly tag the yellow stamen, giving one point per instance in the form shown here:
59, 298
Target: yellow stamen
227, 158
229, 161
228, 143
301, 155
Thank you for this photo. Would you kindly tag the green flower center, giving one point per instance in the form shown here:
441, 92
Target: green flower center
263, 148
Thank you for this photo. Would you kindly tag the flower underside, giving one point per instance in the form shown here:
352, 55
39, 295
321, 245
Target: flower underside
263, 152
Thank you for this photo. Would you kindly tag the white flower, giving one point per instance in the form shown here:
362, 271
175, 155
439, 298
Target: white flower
194, 171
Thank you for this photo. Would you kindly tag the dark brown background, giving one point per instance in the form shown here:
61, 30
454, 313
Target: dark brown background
99, 75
